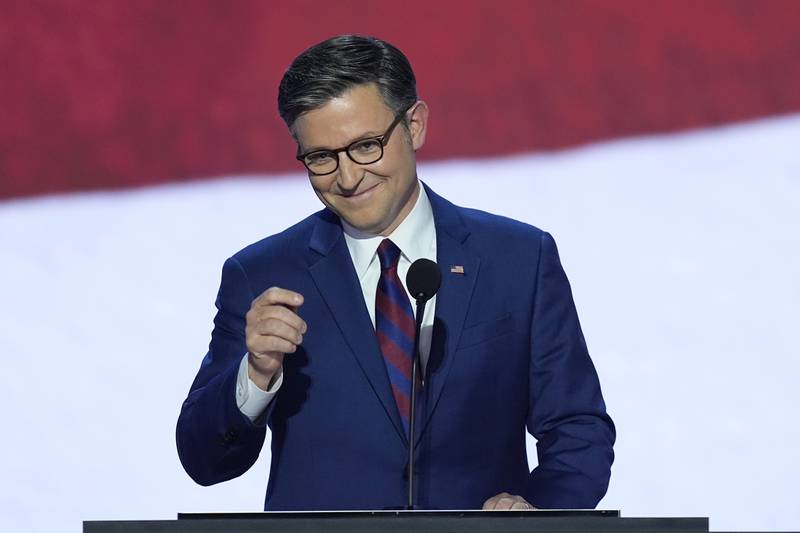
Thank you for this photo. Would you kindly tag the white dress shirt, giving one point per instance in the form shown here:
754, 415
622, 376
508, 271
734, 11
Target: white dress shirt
416, 238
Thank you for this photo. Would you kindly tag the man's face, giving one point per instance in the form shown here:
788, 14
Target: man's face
373, 198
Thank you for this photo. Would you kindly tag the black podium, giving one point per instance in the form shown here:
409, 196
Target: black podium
405, 521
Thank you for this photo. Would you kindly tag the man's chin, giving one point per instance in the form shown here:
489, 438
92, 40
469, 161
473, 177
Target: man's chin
364, 224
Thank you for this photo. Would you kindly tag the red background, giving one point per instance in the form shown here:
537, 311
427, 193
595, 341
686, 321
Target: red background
119, 93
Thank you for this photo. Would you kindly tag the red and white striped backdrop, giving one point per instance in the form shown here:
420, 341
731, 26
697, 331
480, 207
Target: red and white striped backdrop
117, 93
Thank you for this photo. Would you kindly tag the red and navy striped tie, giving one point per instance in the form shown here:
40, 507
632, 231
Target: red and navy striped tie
394, 325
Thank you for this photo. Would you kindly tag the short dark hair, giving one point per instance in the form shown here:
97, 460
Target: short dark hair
328, 69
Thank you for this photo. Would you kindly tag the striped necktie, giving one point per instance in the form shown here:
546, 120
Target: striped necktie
395, 325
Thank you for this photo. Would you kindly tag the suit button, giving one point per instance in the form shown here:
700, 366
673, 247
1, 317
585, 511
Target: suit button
230, 436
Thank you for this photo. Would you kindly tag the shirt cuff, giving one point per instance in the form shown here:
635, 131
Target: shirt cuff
250, 398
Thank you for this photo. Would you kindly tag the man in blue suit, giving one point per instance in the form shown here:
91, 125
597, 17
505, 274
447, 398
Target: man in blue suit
312, 336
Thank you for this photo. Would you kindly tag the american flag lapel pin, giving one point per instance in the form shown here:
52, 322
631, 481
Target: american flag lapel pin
457, 269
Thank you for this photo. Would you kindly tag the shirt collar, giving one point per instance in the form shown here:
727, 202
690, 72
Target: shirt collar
413, 236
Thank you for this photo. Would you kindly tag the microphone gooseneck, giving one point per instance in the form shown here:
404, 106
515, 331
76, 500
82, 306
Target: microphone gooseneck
423, 281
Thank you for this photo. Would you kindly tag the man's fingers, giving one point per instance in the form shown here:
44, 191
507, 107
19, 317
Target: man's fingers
272, 328
504, 504
278, 296
282, 313
490, 504
505, 501
264, 345
277, 328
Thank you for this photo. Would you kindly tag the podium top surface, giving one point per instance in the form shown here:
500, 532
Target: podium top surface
399, 513
423, 521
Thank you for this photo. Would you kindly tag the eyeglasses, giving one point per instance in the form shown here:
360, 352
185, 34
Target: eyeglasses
363, 152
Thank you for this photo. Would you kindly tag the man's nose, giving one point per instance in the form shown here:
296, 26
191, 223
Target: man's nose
350, 173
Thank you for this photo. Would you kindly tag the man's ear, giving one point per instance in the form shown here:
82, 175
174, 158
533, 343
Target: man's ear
418, 124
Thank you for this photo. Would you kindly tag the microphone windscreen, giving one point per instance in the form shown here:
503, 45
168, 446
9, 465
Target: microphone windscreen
423, 279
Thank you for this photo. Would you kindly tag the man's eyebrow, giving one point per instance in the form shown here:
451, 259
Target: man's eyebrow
367, 135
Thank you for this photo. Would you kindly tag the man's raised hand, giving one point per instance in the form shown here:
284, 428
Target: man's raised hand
273, 329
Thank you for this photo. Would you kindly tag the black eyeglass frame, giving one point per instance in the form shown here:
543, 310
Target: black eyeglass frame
382, 140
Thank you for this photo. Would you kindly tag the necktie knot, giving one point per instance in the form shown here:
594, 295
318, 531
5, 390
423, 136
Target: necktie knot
388, 254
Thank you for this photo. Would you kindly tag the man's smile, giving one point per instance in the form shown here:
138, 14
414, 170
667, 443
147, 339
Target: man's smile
362, 195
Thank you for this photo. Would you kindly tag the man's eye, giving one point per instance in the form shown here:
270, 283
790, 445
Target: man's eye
367, 146
318, 158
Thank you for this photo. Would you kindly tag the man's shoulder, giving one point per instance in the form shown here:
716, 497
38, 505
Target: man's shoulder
478, 222
493, 229
493, 225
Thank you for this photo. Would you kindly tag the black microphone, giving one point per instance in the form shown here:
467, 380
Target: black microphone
423, 280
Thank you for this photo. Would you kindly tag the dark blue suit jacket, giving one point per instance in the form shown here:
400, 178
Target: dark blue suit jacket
507, 354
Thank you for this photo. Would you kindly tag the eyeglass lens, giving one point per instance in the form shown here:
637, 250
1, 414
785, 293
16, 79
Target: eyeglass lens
363, 152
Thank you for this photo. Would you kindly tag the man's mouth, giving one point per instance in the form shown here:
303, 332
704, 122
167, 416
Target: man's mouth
362, 193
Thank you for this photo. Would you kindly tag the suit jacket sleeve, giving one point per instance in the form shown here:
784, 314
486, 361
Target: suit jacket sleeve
216, 441
566, 412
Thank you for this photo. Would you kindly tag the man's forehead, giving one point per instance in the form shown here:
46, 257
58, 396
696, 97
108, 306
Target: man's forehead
358, 112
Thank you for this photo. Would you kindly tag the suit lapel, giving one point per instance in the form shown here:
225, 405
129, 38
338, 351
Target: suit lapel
452, 300
337, 282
